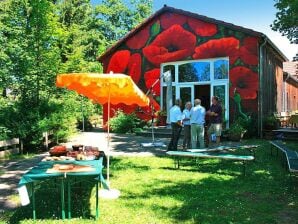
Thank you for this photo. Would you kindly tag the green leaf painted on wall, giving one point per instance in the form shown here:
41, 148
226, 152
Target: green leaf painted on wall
237, 98
155, 29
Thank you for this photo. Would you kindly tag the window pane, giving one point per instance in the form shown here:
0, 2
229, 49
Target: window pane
170, 68
221, 69
194, 72
220, 92
164, 96
185, 94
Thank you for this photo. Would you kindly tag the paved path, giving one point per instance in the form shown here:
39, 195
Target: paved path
120, 145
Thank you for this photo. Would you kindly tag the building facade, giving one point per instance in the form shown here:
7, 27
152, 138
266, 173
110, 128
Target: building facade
206, 57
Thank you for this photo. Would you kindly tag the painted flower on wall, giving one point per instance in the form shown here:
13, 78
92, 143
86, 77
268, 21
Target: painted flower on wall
224, 47
123, 62
169, 19
150, 78
201, 28
134, 67
139, 39
119, 61
249, 51
172, 44
244, 81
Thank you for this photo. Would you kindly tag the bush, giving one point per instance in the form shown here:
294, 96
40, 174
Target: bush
4, 133
270, 122
123, 123
236, 128
249, 124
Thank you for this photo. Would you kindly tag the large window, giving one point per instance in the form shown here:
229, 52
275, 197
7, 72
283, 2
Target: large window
198, 79
221, 69
194, 72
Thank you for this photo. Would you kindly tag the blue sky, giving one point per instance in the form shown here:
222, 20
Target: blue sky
252, 14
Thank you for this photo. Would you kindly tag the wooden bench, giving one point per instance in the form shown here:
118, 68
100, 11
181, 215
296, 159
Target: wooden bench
291, 157
178, 154
8, 147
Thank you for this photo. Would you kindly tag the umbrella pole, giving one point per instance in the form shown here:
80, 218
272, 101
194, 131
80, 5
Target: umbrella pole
108, 142
109, 193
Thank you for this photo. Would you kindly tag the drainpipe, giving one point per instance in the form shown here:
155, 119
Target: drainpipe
284, 94
261, 73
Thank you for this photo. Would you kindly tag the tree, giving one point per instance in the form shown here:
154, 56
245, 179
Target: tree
117, 18
286, 20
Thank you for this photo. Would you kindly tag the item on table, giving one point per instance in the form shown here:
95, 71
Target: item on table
72, 154
81, 157
64, 166
59, 150
77, 147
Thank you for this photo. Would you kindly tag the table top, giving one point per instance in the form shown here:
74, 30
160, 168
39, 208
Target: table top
39, 172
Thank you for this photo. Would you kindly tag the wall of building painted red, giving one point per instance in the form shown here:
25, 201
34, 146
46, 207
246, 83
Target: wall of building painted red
175, 37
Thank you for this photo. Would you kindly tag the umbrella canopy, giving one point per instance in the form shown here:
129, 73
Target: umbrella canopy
104, 88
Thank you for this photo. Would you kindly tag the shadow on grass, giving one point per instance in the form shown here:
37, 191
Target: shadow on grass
125, 143
217, 192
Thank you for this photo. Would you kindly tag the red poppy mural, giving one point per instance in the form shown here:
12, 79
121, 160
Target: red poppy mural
224, 47
249, 51
169, 19
150, 78
171, 37
134, 67
119, 61
139, 39
123, 62
244, 81
172, 44
202, 28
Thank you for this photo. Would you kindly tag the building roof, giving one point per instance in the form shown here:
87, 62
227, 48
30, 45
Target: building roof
166, 8
291, 70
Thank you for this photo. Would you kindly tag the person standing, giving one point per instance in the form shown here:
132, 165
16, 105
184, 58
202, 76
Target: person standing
197, 121
186, 125
215, 116
176, 124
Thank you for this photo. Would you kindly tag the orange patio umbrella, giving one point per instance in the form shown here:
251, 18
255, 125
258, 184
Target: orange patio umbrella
104, 88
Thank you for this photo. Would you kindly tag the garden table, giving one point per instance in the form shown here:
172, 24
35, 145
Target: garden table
44, 171
293, 120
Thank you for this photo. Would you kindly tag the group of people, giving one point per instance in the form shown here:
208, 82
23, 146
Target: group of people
192, 119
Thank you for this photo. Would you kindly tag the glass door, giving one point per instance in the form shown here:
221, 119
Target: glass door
185, 93
220, 90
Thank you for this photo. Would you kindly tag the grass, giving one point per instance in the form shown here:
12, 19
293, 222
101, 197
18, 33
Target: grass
152, 191
17, 157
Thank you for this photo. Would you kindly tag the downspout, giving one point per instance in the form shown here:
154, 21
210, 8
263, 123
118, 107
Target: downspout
261, 73
285, 99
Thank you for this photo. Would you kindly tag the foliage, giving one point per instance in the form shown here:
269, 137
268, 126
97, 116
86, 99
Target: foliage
4, 133
270, 122
236, 128
286, 20
117, 18
157, 193
40, 39
123, 123
249, 124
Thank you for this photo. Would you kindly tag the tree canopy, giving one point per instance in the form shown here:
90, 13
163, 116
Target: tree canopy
40, 39
286, 20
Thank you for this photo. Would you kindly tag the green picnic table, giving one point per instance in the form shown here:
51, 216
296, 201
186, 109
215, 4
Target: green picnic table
41, 173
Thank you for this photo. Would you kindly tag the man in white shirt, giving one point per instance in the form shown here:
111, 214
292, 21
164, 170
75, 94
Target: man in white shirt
186, 125
197, 121
176, 124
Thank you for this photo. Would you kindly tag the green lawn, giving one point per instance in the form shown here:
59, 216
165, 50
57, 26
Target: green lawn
152, 191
